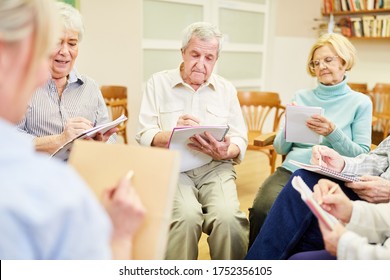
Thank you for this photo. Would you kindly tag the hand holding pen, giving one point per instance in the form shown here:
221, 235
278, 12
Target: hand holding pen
74, 127
327, 157
333, 200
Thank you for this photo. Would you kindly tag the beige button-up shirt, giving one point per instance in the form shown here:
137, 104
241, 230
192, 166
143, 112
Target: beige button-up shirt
167, 97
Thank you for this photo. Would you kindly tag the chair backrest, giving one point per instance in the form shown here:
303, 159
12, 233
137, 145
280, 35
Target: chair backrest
258, 106
116, 102
360, 87
380, 96
114, 92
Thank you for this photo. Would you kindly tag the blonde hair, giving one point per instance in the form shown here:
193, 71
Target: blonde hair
343, 47
21, 18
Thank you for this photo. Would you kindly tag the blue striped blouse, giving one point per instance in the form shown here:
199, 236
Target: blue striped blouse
48, 112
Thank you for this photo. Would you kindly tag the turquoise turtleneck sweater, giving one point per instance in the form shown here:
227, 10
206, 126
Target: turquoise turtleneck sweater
349, 110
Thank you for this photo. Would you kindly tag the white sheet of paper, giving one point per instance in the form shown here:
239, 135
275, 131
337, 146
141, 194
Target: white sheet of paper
295, 125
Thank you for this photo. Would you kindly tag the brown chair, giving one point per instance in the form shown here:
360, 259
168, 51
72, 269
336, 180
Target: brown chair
116, 102
380, 96
259, 108
359, 87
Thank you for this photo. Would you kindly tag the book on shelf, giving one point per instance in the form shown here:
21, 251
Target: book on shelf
351, 5
367, 25
63, 151
156, 173
179, 141
327, 6
307, 196
296, 129
357, 26
358, 5
383, 25
370, 4
344, 5
326, 171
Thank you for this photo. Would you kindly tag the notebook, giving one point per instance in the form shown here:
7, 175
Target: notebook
156, 172
190, 158
326, 171
307, 196
63, 151
295, 124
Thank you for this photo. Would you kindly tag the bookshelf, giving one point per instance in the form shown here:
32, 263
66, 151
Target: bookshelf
360, 19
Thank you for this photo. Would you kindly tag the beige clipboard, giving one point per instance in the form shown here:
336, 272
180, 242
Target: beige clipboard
156, 172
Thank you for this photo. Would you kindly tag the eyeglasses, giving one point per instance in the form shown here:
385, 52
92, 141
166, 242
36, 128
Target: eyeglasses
315, 64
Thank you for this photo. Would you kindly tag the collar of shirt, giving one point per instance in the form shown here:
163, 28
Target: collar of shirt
75, 77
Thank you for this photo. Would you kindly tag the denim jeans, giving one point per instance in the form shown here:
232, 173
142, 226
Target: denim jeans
290, 226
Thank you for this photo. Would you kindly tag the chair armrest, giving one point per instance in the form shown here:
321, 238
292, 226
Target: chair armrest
264, 139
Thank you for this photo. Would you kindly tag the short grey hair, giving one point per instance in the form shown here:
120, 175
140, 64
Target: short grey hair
204, 31
72, 19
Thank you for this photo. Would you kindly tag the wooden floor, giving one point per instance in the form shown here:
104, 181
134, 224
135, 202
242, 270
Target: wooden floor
250, 175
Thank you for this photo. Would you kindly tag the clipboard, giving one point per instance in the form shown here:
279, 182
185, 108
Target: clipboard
190, 158
156, 173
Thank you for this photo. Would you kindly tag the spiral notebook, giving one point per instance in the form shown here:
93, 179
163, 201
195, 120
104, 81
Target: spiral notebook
326, 171
307, 196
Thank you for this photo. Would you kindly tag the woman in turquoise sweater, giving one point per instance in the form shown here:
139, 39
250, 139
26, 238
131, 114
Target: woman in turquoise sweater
345, 126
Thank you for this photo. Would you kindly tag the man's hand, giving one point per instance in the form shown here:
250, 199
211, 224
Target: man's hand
373, 189
218, 150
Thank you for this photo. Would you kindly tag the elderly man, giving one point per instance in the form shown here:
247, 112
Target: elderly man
69, 103
206, 198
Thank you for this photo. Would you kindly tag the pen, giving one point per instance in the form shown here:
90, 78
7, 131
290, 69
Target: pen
320, 158
129, 175
333, 189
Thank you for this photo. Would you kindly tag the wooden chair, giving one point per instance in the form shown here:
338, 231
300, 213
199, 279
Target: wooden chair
380, 96
260, 108
116, 102
360, 87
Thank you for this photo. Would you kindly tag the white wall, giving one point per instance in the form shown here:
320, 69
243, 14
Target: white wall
110, 52
291, 37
